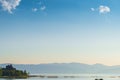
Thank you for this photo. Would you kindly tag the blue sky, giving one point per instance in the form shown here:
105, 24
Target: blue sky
59, 31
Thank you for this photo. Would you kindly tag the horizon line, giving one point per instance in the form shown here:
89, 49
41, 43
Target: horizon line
58, 63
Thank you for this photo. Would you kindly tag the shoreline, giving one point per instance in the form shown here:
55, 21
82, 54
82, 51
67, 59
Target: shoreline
14, 77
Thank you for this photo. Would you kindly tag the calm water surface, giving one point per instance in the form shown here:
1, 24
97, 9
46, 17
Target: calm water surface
81, 77
63, 79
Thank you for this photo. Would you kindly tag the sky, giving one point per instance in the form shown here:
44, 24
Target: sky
60, 31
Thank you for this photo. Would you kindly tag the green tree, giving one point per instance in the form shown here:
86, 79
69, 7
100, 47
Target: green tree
10, 71
0, 72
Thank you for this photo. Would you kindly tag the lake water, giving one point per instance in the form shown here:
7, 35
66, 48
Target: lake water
62, 79
75, 77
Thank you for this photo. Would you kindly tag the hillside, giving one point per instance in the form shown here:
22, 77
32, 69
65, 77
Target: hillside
67, 68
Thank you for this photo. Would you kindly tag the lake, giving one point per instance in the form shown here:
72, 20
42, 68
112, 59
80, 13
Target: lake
73, 77
62, 79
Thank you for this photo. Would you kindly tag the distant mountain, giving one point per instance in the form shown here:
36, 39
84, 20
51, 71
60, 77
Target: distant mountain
68, 68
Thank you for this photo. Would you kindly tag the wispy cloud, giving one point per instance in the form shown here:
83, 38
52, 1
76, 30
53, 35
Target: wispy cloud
9, 5
34, 9
102, 9
42, 5
92, 9
42, 8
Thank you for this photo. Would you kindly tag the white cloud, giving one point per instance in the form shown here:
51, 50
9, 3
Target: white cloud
34, 9
104, 9
9, 5
101, 9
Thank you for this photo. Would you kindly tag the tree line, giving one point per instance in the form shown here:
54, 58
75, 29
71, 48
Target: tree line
10, 71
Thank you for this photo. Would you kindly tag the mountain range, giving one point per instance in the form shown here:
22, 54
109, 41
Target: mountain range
66, 68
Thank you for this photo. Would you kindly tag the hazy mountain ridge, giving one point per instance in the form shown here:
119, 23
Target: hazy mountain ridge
66, 68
